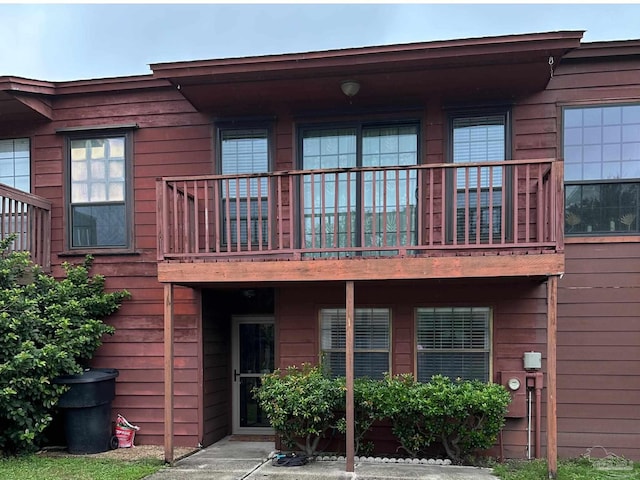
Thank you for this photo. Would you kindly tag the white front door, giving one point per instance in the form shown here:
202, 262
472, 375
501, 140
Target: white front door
253, 356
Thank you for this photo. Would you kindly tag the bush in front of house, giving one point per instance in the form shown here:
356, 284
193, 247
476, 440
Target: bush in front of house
48, 328
301, 405
464, 416
368, 398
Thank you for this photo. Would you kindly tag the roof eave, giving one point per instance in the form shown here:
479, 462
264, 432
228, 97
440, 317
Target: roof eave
433, 52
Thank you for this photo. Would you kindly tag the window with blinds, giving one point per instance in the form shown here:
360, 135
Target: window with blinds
477, 139
454, 342
245, 151
371, 341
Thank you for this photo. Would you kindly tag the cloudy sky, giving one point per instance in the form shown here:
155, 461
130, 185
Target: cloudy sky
76, 41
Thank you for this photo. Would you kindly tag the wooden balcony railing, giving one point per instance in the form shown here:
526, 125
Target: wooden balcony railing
409, 210
29, 218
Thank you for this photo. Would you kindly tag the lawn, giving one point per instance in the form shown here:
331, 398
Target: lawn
36, 467
576, 469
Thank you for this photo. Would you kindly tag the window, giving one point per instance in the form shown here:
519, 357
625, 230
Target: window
244, 202
15, 163
454, 342
335, 203
371, 341
99, 197
477, 139
602, 169
14, 172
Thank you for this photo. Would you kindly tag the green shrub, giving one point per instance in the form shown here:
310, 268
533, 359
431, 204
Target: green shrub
300, 405
367, 398
414, 421
464, 415
48, 328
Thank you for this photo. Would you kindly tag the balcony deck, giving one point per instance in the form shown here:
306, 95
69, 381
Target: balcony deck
29, 218
489, 219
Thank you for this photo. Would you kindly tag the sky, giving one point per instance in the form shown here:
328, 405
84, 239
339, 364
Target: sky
72, 41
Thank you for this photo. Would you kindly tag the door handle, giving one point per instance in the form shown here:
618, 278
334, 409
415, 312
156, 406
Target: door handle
235, 375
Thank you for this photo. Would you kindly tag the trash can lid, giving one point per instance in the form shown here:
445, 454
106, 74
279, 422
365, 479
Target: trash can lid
89, 376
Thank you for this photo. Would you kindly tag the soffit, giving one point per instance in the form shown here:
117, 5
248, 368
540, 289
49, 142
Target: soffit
390, 76
24, 101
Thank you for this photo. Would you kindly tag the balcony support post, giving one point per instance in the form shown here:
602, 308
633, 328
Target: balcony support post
168, 373
552, 421
350, 417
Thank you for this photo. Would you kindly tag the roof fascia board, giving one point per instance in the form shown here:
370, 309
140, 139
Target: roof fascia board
429, 51
605, 49
110, 84
26, 85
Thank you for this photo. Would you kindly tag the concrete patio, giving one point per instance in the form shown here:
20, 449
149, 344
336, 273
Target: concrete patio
239, 460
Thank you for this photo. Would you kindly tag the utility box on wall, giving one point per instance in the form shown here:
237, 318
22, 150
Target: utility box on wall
516, 383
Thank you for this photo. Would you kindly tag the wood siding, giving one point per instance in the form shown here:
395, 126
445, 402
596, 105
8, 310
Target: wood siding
599, 349
216, 332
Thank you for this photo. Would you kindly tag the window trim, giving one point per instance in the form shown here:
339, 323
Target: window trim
99, 133
593, 237
490, 339
321, 351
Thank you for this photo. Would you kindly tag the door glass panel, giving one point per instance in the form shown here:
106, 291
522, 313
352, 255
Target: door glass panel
388, 195
250, 412
256, 348
256, 357
329, 201
375, 208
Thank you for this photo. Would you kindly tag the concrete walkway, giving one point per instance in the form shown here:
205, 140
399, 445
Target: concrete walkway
239, 460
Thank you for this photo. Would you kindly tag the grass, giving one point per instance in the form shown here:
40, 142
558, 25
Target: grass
35, 467
575, 469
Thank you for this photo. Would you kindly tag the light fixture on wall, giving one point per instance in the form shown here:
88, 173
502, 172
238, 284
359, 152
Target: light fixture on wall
350, 88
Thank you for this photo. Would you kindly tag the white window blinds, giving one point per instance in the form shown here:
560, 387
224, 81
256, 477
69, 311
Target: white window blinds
371, 341
453, 341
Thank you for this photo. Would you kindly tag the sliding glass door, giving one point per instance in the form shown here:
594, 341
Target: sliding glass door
370, 208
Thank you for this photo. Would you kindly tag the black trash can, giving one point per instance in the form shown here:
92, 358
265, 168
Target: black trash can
87, 410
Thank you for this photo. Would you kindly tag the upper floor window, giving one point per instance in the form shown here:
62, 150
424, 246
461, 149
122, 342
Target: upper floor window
602, 169
244, 201
99, 207
479, 191
375, 208
371, 341
454, 342
15, 163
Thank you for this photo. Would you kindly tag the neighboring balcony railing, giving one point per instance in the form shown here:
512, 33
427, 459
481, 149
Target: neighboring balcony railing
408, 210
29, 218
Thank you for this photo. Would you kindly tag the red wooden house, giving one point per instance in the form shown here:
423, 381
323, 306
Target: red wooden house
460, 202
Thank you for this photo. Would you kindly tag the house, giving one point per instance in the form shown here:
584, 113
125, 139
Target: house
463, 202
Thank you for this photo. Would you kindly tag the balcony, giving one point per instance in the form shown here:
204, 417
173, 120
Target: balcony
29, 218
472, 219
